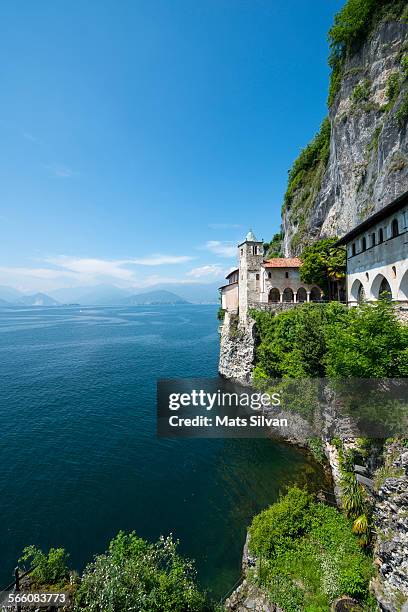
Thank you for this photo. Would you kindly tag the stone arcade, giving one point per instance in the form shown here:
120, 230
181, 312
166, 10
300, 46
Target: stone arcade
272, 284
377, 250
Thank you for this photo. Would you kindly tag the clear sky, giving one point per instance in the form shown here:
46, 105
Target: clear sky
142, 138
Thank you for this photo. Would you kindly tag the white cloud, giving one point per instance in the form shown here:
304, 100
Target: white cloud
159, 260
222, 249
60, 171
214, 271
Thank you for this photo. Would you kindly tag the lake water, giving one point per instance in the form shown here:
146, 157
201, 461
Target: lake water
79, 457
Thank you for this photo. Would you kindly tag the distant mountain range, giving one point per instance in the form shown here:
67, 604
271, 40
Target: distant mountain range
154, 297
12, 297
105, 295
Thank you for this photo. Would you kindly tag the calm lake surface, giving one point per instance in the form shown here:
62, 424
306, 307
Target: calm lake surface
79, 457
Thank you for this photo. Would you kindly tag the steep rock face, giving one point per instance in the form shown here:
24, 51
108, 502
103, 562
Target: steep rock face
237, 350
368, 160
391, 524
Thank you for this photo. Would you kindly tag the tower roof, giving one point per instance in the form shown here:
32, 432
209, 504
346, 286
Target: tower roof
250, 237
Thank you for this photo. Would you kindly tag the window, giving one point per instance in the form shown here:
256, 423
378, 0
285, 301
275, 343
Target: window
381, 236
394, 228
364, 244
254, 250
373, 239
269, 275
242, 251
286, 274
257, 276
353, 249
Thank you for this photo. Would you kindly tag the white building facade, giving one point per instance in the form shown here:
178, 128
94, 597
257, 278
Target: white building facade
377, 250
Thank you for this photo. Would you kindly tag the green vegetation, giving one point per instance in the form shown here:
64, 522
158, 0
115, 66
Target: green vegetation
220, 313
317, 340
136, 575
352, 24
307, 554
404, 65
132, 575
305, 179
274, 248
47, 568
323, 263
361, 92
315, 152
393, 87
402, 113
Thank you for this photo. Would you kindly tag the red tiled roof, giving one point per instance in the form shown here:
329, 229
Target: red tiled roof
283, 262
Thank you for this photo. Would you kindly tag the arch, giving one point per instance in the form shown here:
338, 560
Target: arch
315, 294
381, 288
357, 291
394, 228
274, 296
403, 288
301, 295
288, 295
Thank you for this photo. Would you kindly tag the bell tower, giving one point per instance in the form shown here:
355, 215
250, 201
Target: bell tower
250, 257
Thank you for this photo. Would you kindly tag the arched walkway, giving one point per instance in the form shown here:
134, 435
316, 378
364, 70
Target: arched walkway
403, 288
274, 296
381, 288
288, 295
301, 295
315, 295
357, 291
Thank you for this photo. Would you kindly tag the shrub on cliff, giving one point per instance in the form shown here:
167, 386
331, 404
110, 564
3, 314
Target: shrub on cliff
48, 569
368, 343
307, 554
317, 340
136, 575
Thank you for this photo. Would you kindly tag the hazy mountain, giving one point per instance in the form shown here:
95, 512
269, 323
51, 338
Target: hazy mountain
9, 294
92, 296
38, 299
154, 297
4, 303
203, 293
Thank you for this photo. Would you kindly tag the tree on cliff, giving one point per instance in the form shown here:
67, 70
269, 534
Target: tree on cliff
325, 265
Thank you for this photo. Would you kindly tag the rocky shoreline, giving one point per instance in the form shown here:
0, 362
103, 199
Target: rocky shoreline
390, 501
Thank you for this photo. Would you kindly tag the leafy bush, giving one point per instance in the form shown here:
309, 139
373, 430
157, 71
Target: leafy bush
323, 262
367, 343
318, 340
274, 247
275, 529
361, 92
136, 575
48, 568
307, 554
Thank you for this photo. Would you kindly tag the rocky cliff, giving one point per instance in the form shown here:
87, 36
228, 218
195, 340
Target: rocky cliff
358, 162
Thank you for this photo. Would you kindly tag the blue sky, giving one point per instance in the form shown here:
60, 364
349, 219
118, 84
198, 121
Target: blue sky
142, 138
